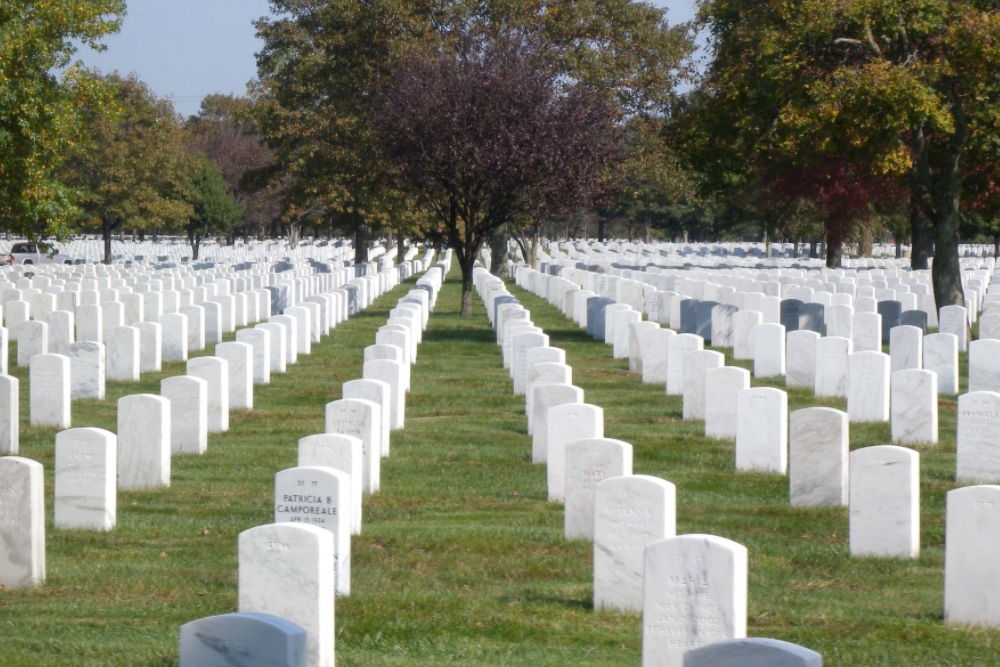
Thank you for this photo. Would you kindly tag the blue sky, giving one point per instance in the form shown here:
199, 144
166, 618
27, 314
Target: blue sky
186, 49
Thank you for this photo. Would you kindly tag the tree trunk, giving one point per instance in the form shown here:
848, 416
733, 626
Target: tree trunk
467, 263
767, 243
996, 246
106, 228
600, 229
646, 235
293, 235
946, 274
834, 254
867, 237
921, 240
899, 239
813, 250
400, 247
360, 240
498, 253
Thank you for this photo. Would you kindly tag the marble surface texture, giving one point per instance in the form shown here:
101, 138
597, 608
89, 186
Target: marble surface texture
259, 341
286, 570
722, 385
984, 365
695, 593
914, 407
214, 371
972, 556
941, 356
977, 447
319, 496
22, 523
753, 652
696, 365
868, 387
545, 397
566, 423
762, 430
188, 396
239, 358
380, 393
49, 390
885, 502
341, 452
817, 457
358, 417
654, 356
629, 512
587, 463
769, 350
86, 469
247, 640
143, 442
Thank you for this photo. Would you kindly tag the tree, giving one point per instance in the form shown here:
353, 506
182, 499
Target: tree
214, 210
323, 64
485, 133
898, 90
41, 116
130, 168
224, 132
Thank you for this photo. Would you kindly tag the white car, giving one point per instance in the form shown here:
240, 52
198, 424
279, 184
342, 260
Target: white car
40, 253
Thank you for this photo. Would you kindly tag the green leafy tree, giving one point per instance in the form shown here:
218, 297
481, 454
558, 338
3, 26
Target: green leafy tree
324, 63
896, 90
224, 131
130, 169
42, 114
214, 210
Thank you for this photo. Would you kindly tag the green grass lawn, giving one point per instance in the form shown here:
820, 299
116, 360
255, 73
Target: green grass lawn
462, 560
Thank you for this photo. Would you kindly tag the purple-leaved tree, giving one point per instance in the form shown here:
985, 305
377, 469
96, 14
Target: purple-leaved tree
490, 131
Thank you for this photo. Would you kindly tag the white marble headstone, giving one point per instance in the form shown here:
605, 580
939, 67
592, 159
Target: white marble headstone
885, 502
86, 469
629, 512
695, 593
273, 555
817, 456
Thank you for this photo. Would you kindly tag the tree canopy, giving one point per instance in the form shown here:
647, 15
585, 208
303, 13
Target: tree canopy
896, 91
130, 170
486, 133
42, 114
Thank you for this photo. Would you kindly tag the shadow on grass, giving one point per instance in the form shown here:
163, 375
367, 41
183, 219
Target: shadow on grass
530, 596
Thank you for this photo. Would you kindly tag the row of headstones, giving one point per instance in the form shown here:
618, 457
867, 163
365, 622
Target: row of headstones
883, 254
878, 387
717, 318
149, 251
317, 507
661, 297
880, 484
188, 323
92, 464
59, 379
662, 256
630, 518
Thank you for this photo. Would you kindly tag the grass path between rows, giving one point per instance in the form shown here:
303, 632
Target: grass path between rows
462, 560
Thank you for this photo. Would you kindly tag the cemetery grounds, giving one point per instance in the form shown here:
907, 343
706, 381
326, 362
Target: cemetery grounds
461, 560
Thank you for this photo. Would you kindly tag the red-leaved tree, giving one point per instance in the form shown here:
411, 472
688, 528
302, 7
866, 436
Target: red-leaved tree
490, 131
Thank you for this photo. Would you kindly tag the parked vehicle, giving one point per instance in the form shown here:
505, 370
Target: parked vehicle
40, 253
